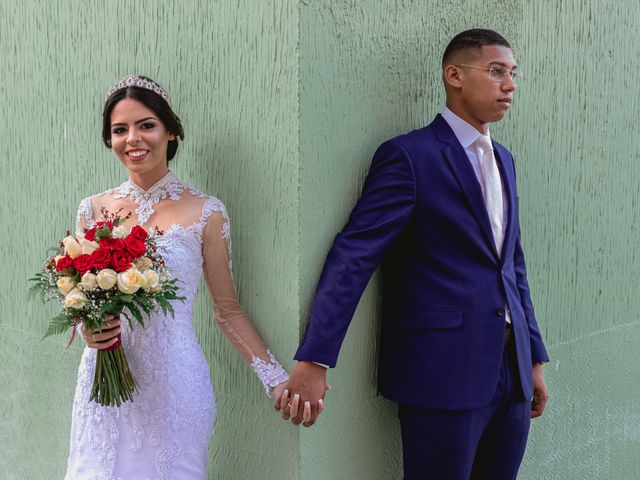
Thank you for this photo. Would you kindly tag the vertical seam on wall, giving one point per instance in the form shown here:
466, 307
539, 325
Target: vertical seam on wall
298, 246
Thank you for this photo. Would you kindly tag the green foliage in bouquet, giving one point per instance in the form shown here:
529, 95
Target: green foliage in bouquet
106, 271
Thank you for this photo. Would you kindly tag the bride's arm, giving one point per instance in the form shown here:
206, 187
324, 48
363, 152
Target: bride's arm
216, 250
84, 217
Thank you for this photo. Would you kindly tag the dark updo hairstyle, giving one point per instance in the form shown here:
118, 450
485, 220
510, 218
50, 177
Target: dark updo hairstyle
152, 101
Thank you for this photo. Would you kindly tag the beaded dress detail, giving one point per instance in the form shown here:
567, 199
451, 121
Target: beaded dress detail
164, 433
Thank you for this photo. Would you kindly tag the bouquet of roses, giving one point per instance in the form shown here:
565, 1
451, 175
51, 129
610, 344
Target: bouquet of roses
107, 270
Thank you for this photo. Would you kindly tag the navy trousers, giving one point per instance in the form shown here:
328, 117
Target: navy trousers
482, 444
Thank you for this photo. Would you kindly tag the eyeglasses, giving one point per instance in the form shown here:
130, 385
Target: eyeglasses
498, 73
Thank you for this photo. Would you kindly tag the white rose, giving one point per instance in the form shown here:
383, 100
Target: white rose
75, 299
65, 285
130, 281
106, 278
88, 282
88, 246
119, 231
72, 247
151, 281
143, 263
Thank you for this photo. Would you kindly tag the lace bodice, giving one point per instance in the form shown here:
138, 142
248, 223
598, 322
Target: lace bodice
195, 239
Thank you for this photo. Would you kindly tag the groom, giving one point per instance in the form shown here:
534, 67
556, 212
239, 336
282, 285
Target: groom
461, 351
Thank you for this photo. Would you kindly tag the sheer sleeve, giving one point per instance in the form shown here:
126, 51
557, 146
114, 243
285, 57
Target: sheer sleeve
216, 250
84, 217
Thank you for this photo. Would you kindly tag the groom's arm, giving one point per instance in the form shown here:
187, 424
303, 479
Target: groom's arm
538, 351
384, 208
381, 213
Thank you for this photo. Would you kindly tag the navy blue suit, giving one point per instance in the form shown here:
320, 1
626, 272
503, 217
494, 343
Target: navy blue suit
422, 216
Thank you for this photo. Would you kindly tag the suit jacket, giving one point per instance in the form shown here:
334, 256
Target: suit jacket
445, 287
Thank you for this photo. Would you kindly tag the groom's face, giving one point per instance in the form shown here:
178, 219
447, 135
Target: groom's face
486, 87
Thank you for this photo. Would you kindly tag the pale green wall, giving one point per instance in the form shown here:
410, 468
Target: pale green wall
284, 103
576, 129
231, 68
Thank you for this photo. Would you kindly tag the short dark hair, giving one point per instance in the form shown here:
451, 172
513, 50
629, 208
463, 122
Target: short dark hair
152, 101
475, 39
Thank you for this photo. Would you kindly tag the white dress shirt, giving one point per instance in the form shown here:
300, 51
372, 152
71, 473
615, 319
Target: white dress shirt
467, 136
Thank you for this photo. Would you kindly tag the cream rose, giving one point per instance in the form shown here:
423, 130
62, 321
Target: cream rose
88, 246
72, 247
106, 278
75, 299
130, 281
119, 231
88, 282
143, 263
151, 281
65, 285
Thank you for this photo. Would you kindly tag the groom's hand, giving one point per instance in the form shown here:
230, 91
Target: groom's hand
302, 401
540, 392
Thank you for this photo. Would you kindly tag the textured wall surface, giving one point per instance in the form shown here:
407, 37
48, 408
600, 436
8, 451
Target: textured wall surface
285, 141
369, 71
231, 68
578, 152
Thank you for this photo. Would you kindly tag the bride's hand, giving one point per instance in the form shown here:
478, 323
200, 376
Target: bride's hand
278, 391
105, 339
283, 400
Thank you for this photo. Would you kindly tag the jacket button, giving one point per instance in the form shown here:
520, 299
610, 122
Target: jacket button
501, 312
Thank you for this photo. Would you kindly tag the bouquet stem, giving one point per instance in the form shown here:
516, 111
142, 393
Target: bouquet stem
113, 383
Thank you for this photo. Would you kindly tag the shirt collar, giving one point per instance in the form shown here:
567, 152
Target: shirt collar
464, 132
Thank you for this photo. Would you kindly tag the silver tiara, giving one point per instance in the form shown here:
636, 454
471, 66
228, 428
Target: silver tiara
136, 81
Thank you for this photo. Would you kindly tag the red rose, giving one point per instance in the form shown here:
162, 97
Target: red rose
135, 247
121, 261
138, 233
64, 262
90, 235
101, 258
112, 244
83, 263
108, 224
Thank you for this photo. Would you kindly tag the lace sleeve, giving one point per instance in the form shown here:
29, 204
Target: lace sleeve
216, 250
84, 217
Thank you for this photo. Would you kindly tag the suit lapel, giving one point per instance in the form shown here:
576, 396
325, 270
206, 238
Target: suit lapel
462, 169
508, 180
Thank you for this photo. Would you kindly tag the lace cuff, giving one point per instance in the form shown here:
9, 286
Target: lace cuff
270, 374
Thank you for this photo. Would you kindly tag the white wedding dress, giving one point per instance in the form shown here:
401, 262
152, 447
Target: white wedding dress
164, 432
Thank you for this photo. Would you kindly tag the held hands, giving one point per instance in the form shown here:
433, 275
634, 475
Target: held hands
302, 398
104, 339
540, 392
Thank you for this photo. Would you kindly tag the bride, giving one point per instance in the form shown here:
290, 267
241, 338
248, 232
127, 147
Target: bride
164, 432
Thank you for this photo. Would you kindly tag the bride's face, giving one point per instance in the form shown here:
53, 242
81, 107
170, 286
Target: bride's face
138, 137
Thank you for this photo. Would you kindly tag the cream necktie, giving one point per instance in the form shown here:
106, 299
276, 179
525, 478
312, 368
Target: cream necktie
492, 189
